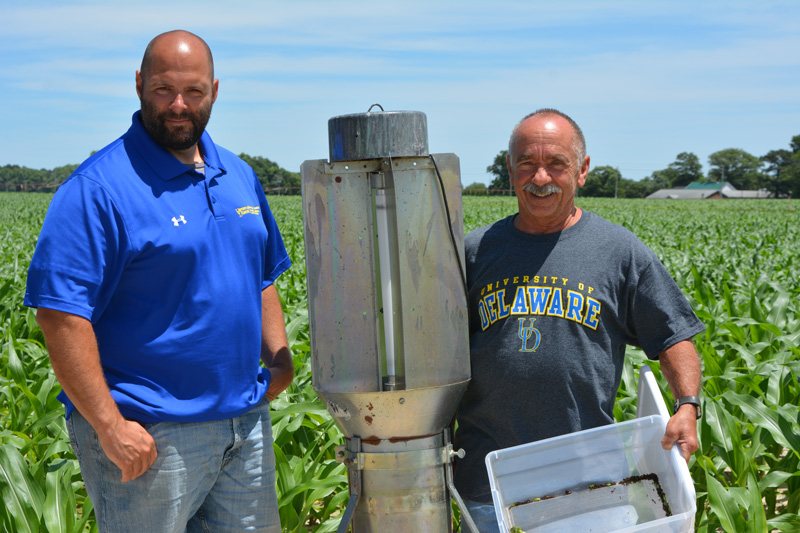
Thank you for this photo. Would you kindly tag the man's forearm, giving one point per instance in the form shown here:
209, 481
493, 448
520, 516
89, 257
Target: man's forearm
76, 362
681, 368
275, 351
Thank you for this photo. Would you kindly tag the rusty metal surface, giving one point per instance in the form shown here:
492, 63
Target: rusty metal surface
407, 498
396, 452
394, 415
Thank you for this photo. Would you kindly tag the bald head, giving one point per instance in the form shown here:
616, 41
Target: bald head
578, 140
176, 45
177, 90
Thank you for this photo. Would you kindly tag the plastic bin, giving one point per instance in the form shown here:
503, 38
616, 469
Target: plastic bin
610, 478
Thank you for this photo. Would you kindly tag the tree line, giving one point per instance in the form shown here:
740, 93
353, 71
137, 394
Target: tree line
273, 178
777, 171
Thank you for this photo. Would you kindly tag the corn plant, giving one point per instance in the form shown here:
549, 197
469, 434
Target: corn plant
737, 262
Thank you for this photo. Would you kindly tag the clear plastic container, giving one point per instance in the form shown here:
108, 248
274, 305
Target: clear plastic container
610, 478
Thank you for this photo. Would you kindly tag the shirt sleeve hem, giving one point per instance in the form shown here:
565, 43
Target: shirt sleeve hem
59, 305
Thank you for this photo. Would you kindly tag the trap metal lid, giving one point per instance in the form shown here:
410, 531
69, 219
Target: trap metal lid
373, 135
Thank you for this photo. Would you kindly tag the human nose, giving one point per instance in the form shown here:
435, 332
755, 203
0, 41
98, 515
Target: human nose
177, 103
540, 176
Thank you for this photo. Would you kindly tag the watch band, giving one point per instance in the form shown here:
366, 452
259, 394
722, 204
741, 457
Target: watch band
694, 400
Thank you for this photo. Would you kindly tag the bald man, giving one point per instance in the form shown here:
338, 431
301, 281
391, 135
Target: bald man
555, 295
154, 283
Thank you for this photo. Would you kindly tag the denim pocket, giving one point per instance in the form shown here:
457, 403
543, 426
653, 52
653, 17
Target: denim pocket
72, 440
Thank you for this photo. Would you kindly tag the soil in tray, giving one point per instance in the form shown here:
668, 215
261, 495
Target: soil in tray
600, 506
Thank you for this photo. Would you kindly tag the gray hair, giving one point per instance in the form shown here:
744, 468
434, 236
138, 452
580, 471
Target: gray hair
578, 140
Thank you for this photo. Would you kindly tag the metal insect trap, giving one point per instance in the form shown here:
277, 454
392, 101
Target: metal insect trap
388, 314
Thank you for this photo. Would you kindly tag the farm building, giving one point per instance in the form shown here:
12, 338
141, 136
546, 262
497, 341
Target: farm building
704, 190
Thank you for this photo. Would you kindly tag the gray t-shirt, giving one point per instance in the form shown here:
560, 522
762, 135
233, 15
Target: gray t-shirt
550, 316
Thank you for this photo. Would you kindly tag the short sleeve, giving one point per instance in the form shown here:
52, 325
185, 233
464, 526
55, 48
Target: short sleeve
81, 251
660, 313
276, 260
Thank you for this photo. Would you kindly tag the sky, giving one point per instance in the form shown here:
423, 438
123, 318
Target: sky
645, 80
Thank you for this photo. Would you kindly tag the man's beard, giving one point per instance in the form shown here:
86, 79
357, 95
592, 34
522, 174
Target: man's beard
156, 125
550, 188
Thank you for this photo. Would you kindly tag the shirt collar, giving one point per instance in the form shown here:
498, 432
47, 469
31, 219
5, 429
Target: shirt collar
165, 165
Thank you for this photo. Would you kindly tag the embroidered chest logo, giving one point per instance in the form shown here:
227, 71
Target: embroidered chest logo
248, 210
177, 220
530, 335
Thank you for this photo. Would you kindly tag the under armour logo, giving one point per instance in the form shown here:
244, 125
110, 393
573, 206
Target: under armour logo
530, 336
178, 219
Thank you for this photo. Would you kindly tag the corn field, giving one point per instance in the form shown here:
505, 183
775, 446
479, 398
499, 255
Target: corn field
737, 261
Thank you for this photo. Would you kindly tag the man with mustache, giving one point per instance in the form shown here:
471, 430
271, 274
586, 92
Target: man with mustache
154, 278
555, 295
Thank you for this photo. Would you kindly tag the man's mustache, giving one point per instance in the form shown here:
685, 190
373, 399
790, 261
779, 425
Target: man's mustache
550, 188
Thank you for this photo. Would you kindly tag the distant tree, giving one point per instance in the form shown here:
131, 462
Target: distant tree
664, 179
737, 167
794, 144
601, 182
650, 184
15, 177
687, 168
684, 170
499, 169
475, 188
777, 164
59, 174
794, 177
635, 189
792, 171
272, 176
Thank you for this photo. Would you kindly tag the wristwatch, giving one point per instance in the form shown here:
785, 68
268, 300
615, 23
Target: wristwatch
694, 400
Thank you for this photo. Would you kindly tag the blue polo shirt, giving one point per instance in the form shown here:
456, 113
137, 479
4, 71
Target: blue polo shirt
168, 264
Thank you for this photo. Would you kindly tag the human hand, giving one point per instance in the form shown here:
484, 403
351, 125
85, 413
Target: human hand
682, 429
281, 378
130, 447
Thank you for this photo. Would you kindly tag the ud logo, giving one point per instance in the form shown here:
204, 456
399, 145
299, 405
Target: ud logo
178, 219
530, 336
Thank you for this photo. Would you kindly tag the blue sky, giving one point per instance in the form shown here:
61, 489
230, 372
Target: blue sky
646, 80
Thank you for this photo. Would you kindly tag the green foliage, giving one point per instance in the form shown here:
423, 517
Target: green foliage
499, 169
686, 168
602, 182
783, 169
17, 178
477, 186
778, 171
737, 167
737, 261
273, 178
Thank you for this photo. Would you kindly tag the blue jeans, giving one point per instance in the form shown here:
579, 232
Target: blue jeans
483, 515
209, 476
